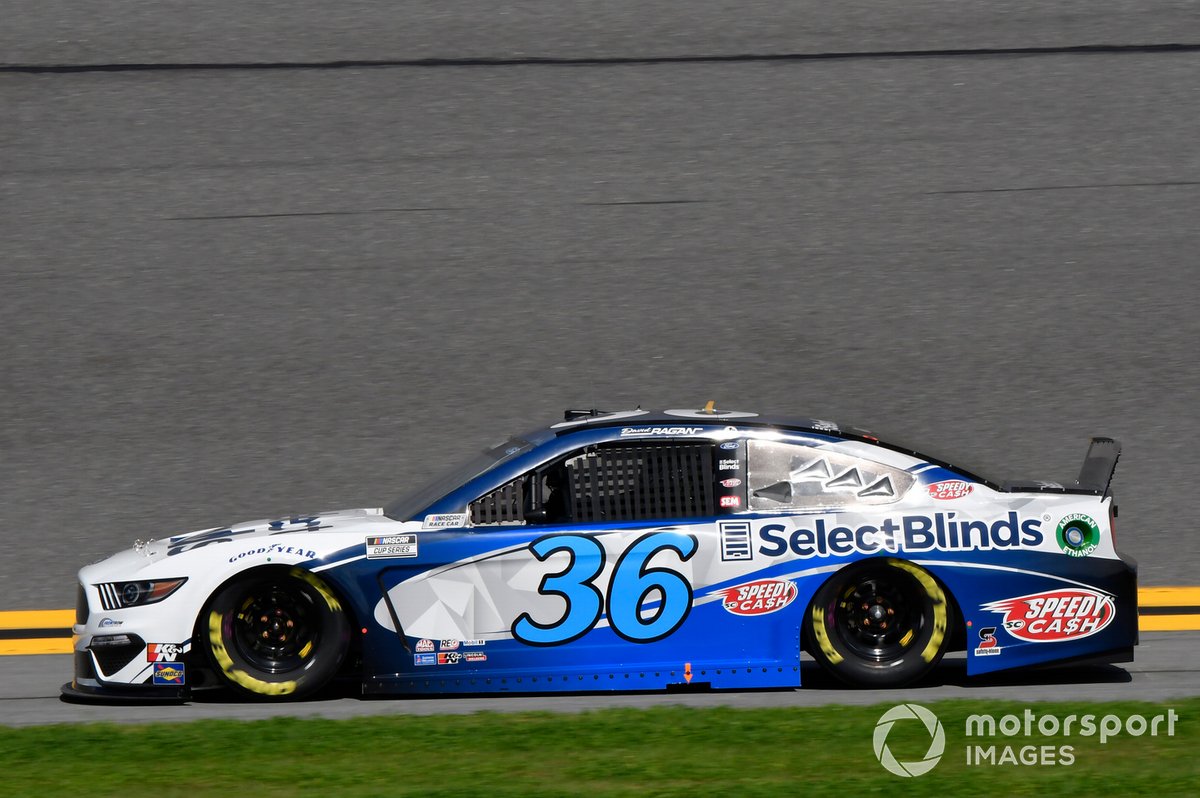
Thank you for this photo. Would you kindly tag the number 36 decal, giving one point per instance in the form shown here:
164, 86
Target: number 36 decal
632, 583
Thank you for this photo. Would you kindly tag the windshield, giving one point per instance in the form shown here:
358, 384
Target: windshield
404, 508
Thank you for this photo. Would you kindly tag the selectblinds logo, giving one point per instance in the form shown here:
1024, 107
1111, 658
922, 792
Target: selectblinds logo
937, 742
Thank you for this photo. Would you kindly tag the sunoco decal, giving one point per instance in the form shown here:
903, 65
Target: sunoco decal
1069, 613
949, 489
761, 597
168, 673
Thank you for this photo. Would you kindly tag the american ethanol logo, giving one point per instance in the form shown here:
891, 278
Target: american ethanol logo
937, 743
987, 739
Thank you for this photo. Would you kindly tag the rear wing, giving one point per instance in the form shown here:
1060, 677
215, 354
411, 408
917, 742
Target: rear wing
1099, 465
1095, 477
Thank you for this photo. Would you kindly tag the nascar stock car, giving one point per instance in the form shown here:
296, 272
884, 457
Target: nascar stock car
628, 550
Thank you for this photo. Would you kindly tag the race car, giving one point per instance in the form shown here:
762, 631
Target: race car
630, 550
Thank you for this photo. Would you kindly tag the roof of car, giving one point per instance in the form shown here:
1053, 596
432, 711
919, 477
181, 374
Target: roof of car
710, 415
574, 419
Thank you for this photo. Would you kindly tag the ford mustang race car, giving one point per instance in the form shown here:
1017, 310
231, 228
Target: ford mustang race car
628, 550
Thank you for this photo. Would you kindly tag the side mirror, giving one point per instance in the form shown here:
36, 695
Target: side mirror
538, 516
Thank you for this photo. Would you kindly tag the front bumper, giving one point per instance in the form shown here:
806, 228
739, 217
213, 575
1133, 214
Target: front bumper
81, 692
118, 658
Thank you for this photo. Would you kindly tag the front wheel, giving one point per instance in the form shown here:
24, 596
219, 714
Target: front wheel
879, 623
275, 634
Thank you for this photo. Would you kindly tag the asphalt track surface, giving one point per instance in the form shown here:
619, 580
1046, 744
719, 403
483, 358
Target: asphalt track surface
1165, 670
295, 285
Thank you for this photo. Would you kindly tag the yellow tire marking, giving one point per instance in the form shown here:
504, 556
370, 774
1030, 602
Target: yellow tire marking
823, 641
940, 615
312, 579
240, 677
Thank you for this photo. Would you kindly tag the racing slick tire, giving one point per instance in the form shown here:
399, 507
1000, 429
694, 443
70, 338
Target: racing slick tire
275, 634
879, 623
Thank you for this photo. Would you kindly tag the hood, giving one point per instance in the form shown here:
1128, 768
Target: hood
145, 552
328, 521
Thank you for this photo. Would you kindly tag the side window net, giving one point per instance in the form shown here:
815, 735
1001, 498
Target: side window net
504, 505
632, 483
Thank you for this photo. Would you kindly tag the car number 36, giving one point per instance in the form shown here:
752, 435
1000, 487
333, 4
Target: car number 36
632, 584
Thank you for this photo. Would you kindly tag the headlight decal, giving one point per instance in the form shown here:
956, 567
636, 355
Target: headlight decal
121, 595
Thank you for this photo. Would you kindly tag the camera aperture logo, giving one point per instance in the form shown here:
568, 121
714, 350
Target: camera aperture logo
1025, 751
937, 743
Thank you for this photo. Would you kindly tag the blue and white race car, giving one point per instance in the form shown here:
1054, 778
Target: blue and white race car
628, 551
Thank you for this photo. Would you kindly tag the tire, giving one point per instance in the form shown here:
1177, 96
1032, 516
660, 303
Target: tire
879, 623
275, 634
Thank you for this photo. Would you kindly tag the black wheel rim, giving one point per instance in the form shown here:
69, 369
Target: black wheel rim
276, 627
878, 614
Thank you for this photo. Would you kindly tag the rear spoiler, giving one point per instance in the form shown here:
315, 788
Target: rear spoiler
1095, 477
1099, 465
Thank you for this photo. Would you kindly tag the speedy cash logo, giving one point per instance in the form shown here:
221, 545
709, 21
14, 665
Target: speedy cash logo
760, 597
949, 489
1069, 613
824, 536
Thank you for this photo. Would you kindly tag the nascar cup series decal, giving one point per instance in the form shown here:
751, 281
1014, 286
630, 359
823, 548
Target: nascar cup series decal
1069, 613
381, 547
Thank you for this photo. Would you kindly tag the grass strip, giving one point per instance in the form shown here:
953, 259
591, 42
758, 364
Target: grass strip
669, 751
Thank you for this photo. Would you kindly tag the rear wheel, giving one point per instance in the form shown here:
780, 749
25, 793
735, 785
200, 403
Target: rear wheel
879, 623
278, 634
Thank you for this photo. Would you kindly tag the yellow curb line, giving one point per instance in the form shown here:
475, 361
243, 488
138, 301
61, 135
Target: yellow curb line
51, 645
1169, 596
1169, 623
37, 619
